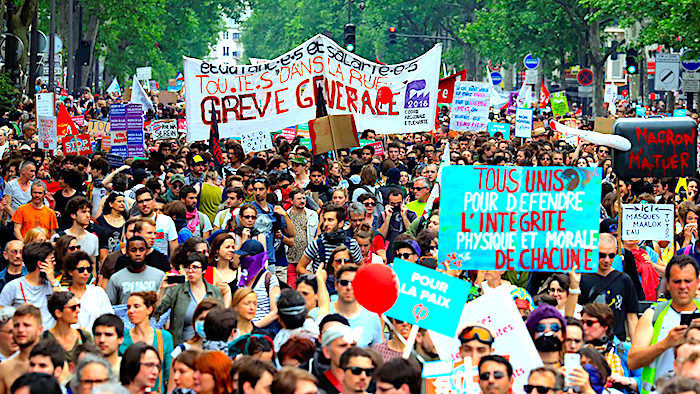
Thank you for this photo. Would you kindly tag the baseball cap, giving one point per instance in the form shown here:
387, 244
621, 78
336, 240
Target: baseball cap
197, 159
177, 178
250, 247
407, 243
299, 159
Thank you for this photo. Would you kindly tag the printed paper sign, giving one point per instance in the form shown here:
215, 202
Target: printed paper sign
640, 111
163, 129
134, 130
610, 93
560, 105
256, 141
79, 120
45, 104
266, 97
428, 298
497, 312
77, 145
377, 145
470, 106
519, 218
182, 125
117, 128
503, 128
523, 122
115, 161
652, 222
48, 138
451, 377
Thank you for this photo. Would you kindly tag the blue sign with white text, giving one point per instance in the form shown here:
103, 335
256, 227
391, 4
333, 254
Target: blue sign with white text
530, 62
495, 127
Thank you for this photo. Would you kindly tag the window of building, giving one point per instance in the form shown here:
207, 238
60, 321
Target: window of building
225, 35
225, 50
236, 36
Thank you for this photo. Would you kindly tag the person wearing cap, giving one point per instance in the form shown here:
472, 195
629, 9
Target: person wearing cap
175, 183
547, 328
475, 342
300, 170
407, 249
252, 258
8, 346
292, 311
197, 167
334, 342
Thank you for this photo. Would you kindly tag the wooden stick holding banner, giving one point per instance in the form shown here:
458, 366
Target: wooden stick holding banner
403, 340
411, 342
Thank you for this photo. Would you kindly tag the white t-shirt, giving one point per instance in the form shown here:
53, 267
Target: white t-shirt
223, 217
96, 304
165, 232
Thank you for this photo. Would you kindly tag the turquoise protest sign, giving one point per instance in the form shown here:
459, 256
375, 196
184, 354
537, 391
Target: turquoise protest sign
428, 298
679, 112
519, 218
640, 111
503, 128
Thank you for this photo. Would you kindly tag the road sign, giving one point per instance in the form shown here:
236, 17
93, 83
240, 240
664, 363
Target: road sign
667, 75
496, 78
494, 66
531, 62
530, 77
691, 82
625, 93
585, 91
585, 77
689, 64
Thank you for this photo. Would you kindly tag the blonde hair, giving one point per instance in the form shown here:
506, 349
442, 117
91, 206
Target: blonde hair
240, 294
34, 234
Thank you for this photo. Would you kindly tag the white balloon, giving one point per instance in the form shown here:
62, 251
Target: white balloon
609, 140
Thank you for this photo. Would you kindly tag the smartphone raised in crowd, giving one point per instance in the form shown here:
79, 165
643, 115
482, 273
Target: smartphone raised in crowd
571, 361
174, 279
687, 318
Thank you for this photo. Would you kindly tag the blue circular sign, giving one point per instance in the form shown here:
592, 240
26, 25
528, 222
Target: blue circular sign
691, 65
531, 62
496, 78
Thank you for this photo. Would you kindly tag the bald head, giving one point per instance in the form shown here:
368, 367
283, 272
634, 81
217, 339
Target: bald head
13, 252
608, 240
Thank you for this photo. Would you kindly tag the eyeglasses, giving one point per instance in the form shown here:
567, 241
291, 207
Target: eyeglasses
151, 365
479, 333
82, 270
602, 255
341, 260
496, 375
73, 307
93, 381
589, 322
73, 248
557, 290
405, 256
540, 389
249, 217
555, 327
369, 204
358, 371
418, 188
344, 282
194, 267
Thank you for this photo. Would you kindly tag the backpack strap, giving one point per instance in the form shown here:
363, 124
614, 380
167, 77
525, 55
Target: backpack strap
268, 278
159, 338
658, 309
686, 249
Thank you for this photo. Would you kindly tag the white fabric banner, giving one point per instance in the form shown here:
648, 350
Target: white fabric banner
282, 92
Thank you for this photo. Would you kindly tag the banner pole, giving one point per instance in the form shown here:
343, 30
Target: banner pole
619, 223
411, 341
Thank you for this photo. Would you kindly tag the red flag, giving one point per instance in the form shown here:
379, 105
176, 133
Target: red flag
64, 122
544, 95
214, 141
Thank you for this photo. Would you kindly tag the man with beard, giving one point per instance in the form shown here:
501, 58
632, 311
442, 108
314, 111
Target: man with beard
495, 375
547, 327
27, 332
357, 368
197, 222
137, 276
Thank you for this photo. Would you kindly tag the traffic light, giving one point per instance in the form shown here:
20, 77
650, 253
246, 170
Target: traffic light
392, 35
349, 37
632, 67
615, 45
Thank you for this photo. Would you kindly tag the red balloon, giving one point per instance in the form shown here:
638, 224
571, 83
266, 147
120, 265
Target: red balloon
652, 96
376, 287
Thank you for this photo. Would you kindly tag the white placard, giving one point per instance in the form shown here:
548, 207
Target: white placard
649, 222
523, 122
48, 137
163, 129
610, 93
667, 72
256, 141
470, 106
45, 104
497, 312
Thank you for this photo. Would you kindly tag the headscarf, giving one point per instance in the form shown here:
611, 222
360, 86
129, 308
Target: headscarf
251, 266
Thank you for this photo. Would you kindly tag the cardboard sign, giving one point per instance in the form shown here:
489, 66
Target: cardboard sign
519, 218
559, 103
45, 104
653, 222
117, 129
503, 128
661, 147
603, 125
77, 145
390, 99
256, 141
163, 129
167, 98
470, 106
497, 312
428, 298
523, 122
48, 137
333, 132
98, 128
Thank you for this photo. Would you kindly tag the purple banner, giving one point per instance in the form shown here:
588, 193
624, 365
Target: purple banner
512, 103
134, 129
117, 128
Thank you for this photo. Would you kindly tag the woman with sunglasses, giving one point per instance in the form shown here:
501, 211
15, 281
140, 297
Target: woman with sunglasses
338, 258
65, 307
78, 269
246, 230
182, 299
64, 246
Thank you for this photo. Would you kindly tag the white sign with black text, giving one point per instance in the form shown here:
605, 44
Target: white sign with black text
652, 222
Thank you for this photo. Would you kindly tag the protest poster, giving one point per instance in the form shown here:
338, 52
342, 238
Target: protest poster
446, 88
451, 377
398, 98
470, 106
167, 98
115, 161
256, 141
503, 128
497, 312
333, 132
603, 125
182, 125
560, 105
64, 123
610, 93
97, 128
428, 298
653, 222
48, 138
523, 122
289, 133
377, 145
117, 129
45, 104
77, 145
661, 147
163, 129
640, 111
680, 112
134, 130
78, 120
519, 218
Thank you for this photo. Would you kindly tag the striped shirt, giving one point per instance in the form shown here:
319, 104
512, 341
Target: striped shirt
312, 252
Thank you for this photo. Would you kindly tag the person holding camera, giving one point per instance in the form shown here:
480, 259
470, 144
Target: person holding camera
395, 219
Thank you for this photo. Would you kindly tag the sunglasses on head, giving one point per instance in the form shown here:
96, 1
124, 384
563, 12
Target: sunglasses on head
344, 282
496, 375
540, 389
358, 371
602, 255
555, 327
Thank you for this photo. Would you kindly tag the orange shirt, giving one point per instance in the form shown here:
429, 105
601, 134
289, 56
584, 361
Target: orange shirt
29, 217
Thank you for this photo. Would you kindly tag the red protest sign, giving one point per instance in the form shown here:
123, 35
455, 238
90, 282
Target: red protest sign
64, 123
77, 145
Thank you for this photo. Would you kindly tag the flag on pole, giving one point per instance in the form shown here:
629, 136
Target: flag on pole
64, 123
138, 95
114, 87
544, 95
179, 76
214, 141
435, 192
